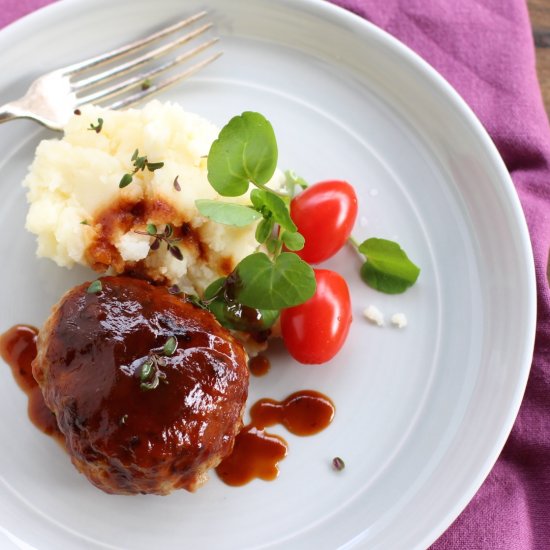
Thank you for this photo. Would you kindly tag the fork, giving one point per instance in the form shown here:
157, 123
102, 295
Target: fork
53, 97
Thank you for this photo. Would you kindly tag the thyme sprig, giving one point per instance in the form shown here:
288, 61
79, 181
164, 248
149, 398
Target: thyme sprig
150, 374
139, 163
97, 127
164, 235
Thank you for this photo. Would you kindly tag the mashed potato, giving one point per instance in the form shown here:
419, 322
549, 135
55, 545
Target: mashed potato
80, 215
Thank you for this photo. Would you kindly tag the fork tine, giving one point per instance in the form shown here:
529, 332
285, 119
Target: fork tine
130, 83
123, 68
139, 96
98, 60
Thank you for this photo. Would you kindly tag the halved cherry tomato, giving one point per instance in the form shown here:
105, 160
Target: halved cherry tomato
324, 214
314, 331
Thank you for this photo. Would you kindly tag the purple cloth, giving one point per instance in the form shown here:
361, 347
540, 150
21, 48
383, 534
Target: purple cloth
484, 48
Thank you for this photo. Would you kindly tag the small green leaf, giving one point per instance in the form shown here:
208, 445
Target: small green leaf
264, 284
97, 127
387, 268
147, 369
170, 346
125, 180
84, 222
272, 245
266, 201
135, 155
234, 315
227, 213
245, 151
213, 289
293, 241
152, 166
95, 287
151, 229
264, 229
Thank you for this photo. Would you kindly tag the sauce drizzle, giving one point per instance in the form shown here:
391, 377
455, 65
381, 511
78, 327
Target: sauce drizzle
256, 452
255, 455
259, 365
306, 412
18, 349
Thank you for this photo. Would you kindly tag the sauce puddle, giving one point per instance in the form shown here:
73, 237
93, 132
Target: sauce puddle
255, 455
256, 452
18, 349
303, 413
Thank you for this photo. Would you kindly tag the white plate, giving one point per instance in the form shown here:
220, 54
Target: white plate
422, 413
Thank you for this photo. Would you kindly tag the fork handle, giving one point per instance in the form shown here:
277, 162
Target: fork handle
8, 112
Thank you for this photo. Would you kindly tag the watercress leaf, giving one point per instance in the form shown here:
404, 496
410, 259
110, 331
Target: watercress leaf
235, 316
387, 268
213, 289
264, 229
272, 245
257, 199
227, 213
267, 201
246, 150
264, 284
293, 241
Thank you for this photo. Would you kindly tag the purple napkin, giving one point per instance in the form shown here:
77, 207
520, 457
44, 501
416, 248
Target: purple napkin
484, 48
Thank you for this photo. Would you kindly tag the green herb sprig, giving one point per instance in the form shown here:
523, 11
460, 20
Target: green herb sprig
150, 374
97, 127
245, 153
163, 236
139, 163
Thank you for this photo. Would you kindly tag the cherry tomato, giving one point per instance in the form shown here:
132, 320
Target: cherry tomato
324, 214
315, 331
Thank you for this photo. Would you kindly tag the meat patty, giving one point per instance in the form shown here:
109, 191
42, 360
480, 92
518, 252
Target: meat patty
136, 417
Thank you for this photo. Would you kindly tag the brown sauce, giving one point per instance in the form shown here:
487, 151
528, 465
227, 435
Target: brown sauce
18, 349
303, 413
255, 455
259, 365
256, 452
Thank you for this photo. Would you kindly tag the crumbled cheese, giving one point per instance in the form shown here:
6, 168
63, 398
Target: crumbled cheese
399, 320
374, 315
